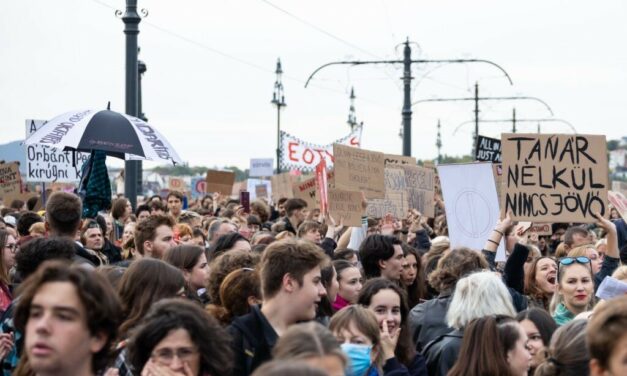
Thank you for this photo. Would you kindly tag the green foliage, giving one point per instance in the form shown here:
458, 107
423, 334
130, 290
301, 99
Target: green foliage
186, 170
612, 144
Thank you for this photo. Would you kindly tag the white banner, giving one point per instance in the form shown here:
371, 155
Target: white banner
50, 165
297, 154
472, 205
260, 167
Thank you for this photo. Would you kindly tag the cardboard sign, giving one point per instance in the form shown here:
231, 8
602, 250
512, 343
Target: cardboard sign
308, 191
619, 186
497, 171
220, 181
420, 183
261, 191
391, 159
428, 164
488, 149
359, 170
261, 167
619, 202
472, 207
47, 164
282, 186
176, 184
395, 200
199, 187
345, 205
322, 187
9, 198
251, 186
10, 180
297, 154
554, 178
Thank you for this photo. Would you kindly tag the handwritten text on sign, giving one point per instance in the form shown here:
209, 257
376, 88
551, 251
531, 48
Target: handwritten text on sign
395, 200
420, 184
359, 170
554, 178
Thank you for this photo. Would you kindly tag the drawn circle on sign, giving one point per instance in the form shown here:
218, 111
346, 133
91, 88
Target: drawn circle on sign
473, 213
201, 186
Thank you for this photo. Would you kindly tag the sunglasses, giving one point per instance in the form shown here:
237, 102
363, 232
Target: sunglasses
565, 261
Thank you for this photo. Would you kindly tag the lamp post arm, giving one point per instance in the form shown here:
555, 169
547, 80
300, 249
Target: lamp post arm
520, 121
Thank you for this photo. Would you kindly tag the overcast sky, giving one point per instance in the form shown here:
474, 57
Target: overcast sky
211, 68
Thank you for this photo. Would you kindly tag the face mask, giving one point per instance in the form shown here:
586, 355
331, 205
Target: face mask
359, 356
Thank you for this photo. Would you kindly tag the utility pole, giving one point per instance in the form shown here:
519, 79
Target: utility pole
352, 118
514, 120
406, 113
141, 69
438, 143
278, 99
131, 19
476, 99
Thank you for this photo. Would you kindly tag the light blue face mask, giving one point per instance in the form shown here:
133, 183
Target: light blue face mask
359, 356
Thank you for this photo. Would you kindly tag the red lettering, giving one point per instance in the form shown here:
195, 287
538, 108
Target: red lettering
320, 151
311, 155
354, 141
330, 156
291, 151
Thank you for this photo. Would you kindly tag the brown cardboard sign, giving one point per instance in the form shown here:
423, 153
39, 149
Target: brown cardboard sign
345, 205
359, 170
307, 191
261, 191
395, 200
391, 159
176, 184
420, 184
220, 181
554, 178
282, 186
10, 180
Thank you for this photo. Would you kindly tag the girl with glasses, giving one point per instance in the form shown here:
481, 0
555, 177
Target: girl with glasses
8, 245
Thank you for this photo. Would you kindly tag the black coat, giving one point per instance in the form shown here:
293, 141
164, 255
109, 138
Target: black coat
427, 321
441, 353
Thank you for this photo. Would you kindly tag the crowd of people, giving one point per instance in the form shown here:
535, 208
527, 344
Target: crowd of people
219, 288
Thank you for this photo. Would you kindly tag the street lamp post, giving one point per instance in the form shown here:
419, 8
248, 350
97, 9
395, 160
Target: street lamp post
352, 118
278, 99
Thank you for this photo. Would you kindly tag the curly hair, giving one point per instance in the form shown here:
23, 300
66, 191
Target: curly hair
222, 266
455, 265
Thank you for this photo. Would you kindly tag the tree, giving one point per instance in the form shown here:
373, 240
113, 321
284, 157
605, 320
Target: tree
613, 144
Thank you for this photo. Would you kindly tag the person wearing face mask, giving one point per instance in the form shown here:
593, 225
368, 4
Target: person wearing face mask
389, 304
539, 327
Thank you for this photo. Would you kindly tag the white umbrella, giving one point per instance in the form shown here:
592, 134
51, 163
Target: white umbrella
117, 134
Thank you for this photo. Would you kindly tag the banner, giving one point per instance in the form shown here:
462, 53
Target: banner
554, 178
198, 187
50, 165
297, 154
10, 180
261, 167
488, 149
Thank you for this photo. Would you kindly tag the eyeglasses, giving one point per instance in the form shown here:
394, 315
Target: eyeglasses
572, 260
12, 247
166, 356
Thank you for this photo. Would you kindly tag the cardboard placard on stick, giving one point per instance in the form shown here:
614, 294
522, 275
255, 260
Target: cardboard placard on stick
488, 149
554, 178
359, 170
261, 191
10, 180
220, 181
392, 159
345, 205
420, 183
282, 186
307, 190
395, 200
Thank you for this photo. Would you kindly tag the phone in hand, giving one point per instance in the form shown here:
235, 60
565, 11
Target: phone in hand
244, 200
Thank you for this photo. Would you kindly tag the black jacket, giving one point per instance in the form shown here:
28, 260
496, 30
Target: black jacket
427, 321
441, 353
253, 341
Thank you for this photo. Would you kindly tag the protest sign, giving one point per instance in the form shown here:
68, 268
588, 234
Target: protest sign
395, 201
10, 180
488, 149
220, 181
282, 186
497, 170
619, 186
554, 178
359, 170
300, 155
261, 167
261, 191
472, 207
176, 184
619, 202
542, 229
391, 159
252, 184
199, 187
322, 187
428, 164
47, 164
345, 205
420, 183
307, 190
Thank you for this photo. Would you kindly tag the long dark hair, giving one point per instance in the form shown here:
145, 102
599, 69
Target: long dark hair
404, 351
327, 272
542, 320
484, 347
417, 290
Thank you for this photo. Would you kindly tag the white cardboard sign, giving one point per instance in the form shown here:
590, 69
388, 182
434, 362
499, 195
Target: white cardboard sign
260, 167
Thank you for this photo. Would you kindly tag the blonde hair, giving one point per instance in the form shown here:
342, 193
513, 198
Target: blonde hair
581, 250
620, 273
561, 250
477, 295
